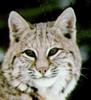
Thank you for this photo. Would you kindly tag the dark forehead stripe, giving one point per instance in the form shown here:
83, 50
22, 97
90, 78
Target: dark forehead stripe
42, 28
41, 32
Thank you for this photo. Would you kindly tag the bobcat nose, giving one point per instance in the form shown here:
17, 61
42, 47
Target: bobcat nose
42, 70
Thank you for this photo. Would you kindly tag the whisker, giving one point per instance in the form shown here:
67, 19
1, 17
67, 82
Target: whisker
83, 68
84, 76
54, 72
53, 75
30, 71
32, 75
53, 68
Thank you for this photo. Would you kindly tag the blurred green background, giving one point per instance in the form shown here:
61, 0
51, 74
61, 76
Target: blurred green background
37, 11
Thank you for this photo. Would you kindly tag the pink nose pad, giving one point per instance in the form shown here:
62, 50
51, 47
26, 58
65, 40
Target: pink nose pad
42, 70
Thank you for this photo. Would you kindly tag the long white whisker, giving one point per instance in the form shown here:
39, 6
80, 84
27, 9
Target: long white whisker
84, 68
84, 76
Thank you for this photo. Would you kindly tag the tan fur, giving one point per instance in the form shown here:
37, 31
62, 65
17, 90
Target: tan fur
22, 72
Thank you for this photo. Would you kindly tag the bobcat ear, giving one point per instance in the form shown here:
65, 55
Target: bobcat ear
17, 25
67, 23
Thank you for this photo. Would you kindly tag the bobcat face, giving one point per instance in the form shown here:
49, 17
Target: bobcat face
42, 59
42, 55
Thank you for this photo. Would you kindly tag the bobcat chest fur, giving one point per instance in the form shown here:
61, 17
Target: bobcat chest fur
43, 60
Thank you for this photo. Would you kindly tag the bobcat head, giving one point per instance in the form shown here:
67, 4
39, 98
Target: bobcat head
43, 56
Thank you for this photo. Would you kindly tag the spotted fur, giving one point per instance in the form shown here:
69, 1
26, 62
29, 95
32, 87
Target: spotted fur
43, 62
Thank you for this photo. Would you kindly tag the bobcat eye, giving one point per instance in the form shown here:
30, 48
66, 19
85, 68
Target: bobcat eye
30, 53
53, 51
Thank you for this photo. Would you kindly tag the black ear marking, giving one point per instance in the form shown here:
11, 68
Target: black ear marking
17, 39
67, 35
67, 23
14, 29
17, 25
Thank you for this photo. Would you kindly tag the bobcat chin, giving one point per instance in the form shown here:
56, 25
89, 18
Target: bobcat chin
43, 62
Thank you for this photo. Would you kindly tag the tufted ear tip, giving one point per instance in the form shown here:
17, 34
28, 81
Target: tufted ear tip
67, 14
12, 16
17, 25
67, 23
71, 13
70, 9
13, 13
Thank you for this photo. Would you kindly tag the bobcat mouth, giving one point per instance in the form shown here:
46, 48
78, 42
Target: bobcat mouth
44, 77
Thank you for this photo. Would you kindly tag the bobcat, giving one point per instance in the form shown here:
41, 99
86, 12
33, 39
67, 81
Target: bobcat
43, 61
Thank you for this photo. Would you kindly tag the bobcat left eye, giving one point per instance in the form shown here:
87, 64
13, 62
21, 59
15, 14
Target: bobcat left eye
53, 51
30, 53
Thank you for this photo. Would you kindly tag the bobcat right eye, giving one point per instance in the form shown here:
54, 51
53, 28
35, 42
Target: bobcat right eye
30, 53
53, 51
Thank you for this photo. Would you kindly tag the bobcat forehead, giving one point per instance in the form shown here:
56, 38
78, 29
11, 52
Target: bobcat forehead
44, 58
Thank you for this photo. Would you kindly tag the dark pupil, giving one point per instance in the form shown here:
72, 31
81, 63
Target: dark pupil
53, 51
30, 53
